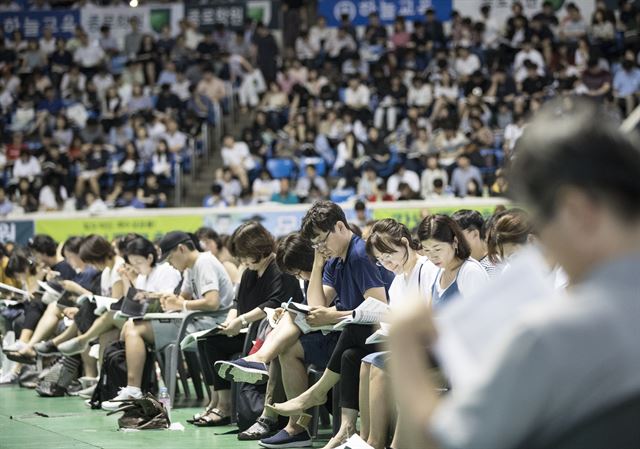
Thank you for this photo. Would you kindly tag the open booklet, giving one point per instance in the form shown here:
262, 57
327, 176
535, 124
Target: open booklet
13, 295
103, 303
371, 311
471, 329
301, 311
191, 340
139, 303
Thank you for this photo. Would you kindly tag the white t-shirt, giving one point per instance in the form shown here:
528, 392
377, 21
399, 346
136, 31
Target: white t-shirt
206, 275
238, 155
47, 197
471, 277
162, 279
177, 139
420, 280
110, 276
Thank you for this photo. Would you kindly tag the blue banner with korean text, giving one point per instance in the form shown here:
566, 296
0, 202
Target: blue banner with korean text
32, 23
358, 10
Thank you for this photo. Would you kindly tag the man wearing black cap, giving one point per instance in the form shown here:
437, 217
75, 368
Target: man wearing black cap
205, 286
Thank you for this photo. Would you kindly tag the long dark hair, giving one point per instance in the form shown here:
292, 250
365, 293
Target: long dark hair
511, 226
444, 229
386, 235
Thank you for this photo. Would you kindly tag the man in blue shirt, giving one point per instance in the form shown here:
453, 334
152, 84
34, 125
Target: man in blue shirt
464, 174
342, 277
626, 85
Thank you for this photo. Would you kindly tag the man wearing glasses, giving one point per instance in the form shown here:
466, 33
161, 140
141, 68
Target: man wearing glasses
341, 278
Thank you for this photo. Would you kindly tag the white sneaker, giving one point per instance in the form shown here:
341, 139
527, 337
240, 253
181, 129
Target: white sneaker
85, 393
9, 378
123, 394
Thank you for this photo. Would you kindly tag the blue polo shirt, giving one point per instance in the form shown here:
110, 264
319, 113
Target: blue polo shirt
354, 275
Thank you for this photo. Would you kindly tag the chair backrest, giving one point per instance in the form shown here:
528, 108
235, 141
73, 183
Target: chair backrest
342, 195
318, 162
615, 427
280, 168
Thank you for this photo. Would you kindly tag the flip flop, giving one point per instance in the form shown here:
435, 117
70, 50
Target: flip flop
20, 358
208, 421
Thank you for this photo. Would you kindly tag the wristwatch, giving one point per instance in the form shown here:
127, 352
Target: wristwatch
245, 323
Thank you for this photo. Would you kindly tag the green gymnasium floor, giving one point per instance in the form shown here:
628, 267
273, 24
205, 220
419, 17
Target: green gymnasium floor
71, 425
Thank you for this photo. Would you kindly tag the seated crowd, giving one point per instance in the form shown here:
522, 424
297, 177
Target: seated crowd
330, 265
307, 299
417, 110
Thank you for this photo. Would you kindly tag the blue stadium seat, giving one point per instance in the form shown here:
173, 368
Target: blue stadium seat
342, 195
281, 168
320, 164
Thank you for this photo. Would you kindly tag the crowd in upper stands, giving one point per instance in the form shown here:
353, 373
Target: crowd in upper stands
419, 109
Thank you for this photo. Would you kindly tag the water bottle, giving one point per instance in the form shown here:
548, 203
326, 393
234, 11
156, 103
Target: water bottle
165, 400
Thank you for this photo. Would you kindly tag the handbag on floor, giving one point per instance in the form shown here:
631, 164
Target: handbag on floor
144, 413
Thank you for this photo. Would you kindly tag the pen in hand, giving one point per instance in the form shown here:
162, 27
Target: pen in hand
286, 307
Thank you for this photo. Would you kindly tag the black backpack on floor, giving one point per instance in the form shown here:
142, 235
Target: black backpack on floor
113, 374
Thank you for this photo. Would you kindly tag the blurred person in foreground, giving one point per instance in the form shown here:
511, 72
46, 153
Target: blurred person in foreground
567, 360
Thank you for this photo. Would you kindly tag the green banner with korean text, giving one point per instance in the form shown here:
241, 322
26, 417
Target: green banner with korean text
111, 227
412, 216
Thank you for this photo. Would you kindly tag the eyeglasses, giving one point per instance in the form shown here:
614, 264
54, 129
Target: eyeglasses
322, 243
384, 258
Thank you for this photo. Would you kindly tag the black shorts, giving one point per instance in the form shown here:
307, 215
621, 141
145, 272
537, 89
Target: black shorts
318, 348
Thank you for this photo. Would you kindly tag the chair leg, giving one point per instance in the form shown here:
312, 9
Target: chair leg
336, 408
315, 418
183, 376
170, 370
193, 367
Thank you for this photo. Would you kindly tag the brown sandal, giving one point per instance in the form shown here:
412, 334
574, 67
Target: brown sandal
208, 420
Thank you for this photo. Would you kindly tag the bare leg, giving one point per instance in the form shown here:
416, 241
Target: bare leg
25, 335
315, 395
283, 336
347, 428
105, 340
136, 335
68, 333
90, 364
101, 325
295, 380
364, 401
379, 408
46, 326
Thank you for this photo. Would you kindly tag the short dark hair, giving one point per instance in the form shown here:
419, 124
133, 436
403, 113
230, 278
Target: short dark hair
572, 143
141, 247
72, 244
251, 240
294, 253
444, 229
322, 216
96, 249
468, 220
43, 244
210, 234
